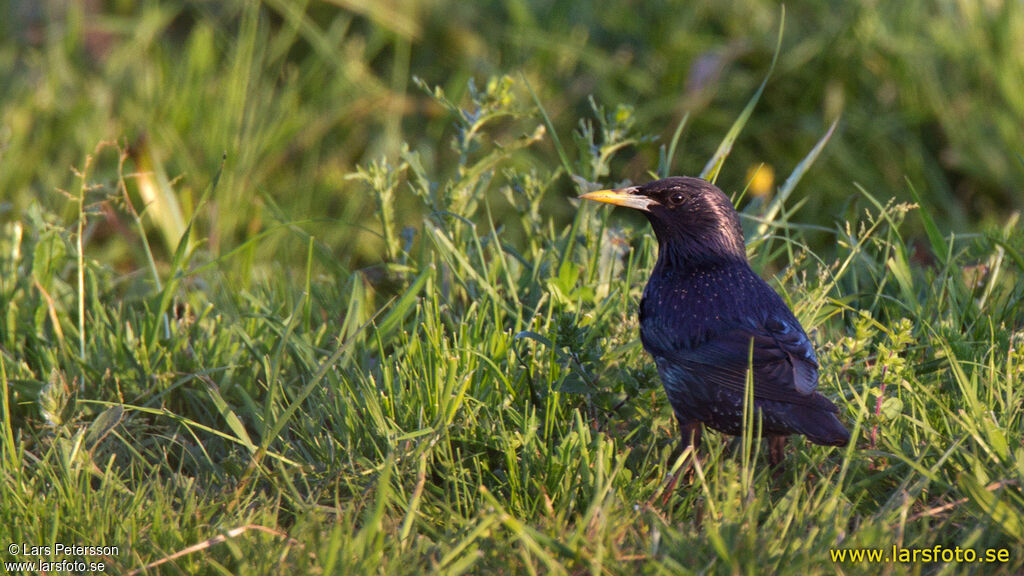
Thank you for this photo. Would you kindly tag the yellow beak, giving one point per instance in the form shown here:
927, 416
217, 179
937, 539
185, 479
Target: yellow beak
627, 197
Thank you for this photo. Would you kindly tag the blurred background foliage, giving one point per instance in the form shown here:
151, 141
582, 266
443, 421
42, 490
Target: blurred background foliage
294, 95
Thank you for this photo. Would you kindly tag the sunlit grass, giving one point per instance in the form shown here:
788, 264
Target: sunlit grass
441, 373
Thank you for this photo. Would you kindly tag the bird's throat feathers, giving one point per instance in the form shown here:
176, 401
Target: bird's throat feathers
713, 241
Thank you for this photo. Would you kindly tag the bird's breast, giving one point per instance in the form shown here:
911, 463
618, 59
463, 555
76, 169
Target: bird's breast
673, 317
680, 311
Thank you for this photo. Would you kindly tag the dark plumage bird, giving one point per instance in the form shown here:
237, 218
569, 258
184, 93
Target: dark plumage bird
706, 317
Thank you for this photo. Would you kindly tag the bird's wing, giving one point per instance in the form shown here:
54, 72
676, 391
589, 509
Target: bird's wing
784, 366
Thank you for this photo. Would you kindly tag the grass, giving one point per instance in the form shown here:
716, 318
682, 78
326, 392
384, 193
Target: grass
441, 373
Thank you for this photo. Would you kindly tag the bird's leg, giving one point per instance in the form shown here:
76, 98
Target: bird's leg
776, 450
690, 432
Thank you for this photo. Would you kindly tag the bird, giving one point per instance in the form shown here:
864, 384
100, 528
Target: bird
706, 318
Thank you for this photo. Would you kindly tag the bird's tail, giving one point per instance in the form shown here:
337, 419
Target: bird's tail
821, 427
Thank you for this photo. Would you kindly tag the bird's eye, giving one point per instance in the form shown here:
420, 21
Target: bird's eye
678, 198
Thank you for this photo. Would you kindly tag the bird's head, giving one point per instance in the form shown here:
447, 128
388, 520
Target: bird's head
692, 218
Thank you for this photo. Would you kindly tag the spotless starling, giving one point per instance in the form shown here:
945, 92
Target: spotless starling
707, 318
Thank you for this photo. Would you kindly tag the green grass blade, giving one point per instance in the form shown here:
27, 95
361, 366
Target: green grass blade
790, 184
714, 165
935, 238
665, 162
